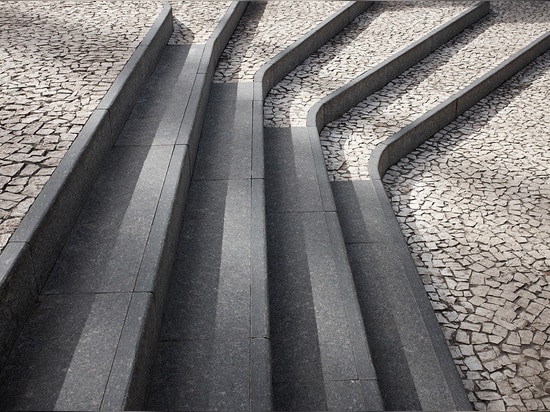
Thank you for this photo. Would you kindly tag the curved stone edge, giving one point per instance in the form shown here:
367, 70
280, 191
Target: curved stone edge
343, 99
410, 137
413, 135
265, 78
33, 248
284, 62
435, 379
287, 60
133, 359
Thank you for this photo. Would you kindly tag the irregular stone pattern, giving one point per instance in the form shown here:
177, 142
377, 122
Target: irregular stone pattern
474, 205
368, 40
267, 27
348, 141
195, 21
473, 201
57, 61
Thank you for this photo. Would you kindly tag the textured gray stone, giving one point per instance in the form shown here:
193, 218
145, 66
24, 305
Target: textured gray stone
131, 363
354, 395
292, 183
121, 207
225, 148
210, 292
261, 391
64, 354
315, 322
259, 322
296, 395
359, 223
158, 115
18, 293
200, 376
295, 346
127, 87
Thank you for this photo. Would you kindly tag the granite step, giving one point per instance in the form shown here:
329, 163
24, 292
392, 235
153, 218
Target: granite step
321, 357
215, 346
245, 287
69, 345
88, 343
213, 350
312, 287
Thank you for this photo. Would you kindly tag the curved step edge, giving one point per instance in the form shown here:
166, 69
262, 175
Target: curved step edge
287, 60
413, 135
32, 250
438, 374
343, 99
284, 62
408, 139
126, 387
267, 77
264, 79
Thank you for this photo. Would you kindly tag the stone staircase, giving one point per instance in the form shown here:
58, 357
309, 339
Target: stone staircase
185, 256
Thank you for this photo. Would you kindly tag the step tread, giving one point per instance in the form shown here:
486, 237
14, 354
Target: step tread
321, 357
94, 276
207, 343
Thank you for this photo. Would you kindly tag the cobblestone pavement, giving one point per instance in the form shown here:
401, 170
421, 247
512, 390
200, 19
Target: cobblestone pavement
474, 205
194, 21
348, 141
57, 61
265, 29
368, 40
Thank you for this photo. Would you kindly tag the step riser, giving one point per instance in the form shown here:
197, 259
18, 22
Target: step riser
127, 385
421, 379
409, 138
292, 208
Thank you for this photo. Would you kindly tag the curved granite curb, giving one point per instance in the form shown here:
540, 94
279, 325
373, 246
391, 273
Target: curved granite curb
426, 376
267, 77
287, 60
32, 250
413, 135
126, 387
340, 101
408, 139
284, 62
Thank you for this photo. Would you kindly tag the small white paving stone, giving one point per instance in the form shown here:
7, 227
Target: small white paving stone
57, 60
195, 21
267, 27
419, 89
369, 39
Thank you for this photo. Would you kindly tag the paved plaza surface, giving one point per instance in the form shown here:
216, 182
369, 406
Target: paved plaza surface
56, 63
473, 201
